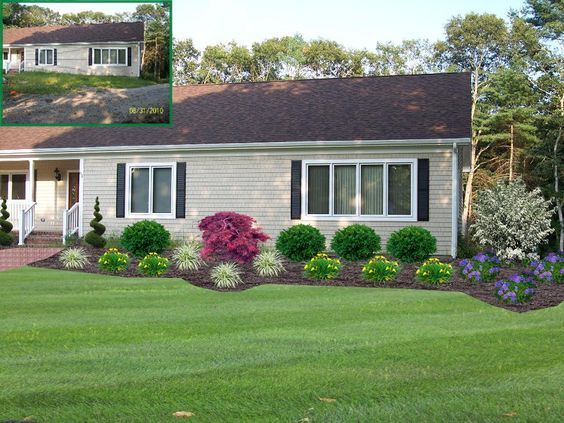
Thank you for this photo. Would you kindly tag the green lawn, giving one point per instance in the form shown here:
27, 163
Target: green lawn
96, 348
61, 83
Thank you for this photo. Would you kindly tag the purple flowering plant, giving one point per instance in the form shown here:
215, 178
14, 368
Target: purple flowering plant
549, 269
482, 267
516, 289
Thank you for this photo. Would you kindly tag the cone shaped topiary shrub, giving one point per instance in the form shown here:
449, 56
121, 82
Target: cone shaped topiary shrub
5, 226
94, 237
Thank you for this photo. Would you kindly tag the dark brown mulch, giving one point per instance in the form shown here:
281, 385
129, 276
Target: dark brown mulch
547, 295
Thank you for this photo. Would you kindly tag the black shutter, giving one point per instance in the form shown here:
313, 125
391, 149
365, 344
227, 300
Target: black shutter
89, 57
36, 56
128, 56
120, 190
296, 190
423, 190
180, 190
54, 57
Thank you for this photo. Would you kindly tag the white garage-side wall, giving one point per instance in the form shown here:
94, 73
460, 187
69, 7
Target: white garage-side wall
73, 58
258, 184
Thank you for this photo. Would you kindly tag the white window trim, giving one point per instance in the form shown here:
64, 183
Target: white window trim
128, 213
412, 217
11, 173
108, 48
39, 57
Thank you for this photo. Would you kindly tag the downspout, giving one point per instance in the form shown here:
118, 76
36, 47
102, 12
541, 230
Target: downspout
455, 205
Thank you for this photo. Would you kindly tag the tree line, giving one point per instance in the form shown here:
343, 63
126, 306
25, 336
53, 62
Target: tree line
155, 16
517, 89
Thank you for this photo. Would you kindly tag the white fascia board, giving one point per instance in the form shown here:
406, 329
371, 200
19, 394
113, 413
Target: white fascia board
71, 44
236, 146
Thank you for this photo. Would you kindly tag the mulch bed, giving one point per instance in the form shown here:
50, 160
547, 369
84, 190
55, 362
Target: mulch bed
547, 295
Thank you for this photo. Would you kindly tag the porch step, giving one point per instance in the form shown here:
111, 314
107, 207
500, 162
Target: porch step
43, 239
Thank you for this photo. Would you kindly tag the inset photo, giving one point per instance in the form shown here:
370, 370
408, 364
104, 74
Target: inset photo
86, 63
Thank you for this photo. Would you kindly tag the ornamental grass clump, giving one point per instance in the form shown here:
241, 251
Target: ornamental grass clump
268, 263
433, 272
187, 256
379, 269
549, 269
482, 267
153, 265
73, 258
113, 261
226, 275
322, 267
516, 289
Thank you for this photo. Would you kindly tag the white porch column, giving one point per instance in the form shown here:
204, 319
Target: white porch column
454, 216
9, 59
81, 198
30, 194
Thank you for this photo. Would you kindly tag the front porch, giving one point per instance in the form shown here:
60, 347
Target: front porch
43, 196
13, 59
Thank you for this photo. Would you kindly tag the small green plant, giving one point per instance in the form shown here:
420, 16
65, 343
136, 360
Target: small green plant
355, 242
226, 275
268, 263
5, 226
94, 237
379, 269
144, 237
412, 243
322, 267
300, 242
113, 261
73, 258
153, 265
433, 272
187, 256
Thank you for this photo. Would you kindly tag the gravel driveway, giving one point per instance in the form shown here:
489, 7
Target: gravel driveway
92, 105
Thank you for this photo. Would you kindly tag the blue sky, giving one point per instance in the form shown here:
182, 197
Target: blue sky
353, 23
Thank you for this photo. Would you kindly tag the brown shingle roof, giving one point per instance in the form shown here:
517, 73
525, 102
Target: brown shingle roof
412, 107
93, 33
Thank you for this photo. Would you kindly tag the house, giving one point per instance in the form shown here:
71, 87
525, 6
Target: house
383, 151
94, 49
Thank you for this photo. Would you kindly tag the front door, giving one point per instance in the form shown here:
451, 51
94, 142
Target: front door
73, 189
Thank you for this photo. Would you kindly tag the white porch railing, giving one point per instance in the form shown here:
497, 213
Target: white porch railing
15, 208
71, 221
26, 223
8, 65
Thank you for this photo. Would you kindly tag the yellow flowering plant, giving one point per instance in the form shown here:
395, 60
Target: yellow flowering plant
322, 267
113, 261
433, 272
153, 265
379, 269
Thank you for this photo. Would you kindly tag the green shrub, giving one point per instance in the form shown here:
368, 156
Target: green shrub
153, 265
379, 269
226, 275
94, 237
322, 267
5, 227
433, 272
113, 261
73, 258
300, 242
268, 263
187, 256
144, 237
355, 242
412, 243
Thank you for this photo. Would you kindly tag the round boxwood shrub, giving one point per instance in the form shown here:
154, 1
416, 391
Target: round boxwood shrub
144, 237
300, 242
412, 243
355, 242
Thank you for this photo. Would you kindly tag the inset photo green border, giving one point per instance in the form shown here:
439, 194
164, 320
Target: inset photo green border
31, 98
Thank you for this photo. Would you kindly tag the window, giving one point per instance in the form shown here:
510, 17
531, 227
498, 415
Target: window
151, 190
364, 188
12, 186
46, 56
109, 56
5, 55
